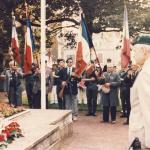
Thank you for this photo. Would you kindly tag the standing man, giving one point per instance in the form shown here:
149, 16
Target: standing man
128, 81
92, 89
123, 74
13, 84
29, 81
110, 94
139, 122
58, 77
36, 91
71, 90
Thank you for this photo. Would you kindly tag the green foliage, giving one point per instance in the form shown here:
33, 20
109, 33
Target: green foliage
101, 15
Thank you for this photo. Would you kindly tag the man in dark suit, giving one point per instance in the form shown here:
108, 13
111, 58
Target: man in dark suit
129, 81
92, 89
58, 81
69, 80
110, 97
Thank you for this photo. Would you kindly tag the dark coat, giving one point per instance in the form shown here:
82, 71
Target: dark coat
111, 99
71, 88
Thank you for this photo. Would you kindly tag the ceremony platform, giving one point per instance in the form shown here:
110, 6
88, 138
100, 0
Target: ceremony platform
42, 129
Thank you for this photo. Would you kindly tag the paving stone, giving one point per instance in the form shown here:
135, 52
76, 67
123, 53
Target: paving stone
90, 134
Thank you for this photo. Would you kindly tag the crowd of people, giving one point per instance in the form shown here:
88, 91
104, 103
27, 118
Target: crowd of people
94, 81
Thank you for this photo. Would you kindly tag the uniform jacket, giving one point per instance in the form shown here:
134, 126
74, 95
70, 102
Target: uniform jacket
140, 106
111, 99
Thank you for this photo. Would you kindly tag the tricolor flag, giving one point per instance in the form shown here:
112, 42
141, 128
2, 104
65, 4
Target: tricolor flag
125, 51
29, 48
15, 43
84, 48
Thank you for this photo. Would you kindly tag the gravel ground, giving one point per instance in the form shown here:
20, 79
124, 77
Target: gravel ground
91, 134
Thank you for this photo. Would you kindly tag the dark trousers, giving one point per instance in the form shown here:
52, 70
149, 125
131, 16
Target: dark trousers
29, 87
91, 94
123, 101
15, 96
61, 101
106, 110
128, 106
47, 103
37, 100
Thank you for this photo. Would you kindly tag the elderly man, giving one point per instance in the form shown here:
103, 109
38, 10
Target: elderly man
110, 94
139, 123
13, 87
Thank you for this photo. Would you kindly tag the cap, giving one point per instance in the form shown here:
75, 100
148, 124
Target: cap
143, 39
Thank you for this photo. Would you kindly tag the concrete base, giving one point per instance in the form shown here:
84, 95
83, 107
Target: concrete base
42, 129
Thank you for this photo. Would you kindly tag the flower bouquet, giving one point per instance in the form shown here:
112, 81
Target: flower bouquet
9, 133
2, 141
6, 110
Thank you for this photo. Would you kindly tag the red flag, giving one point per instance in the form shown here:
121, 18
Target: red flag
15, 43
80, 63
125, 51
28, 56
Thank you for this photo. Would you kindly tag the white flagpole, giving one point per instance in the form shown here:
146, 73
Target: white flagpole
43, 49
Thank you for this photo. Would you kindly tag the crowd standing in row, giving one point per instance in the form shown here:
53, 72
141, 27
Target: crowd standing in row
67, 83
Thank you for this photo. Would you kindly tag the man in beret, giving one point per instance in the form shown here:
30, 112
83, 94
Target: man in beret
139, 123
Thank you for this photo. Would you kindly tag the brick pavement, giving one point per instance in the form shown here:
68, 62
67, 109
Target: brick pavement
90, 134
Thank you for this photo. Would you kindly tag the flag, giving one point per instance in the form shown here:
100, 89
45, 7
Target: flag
83, 49
15, 43
29, 48
125, 51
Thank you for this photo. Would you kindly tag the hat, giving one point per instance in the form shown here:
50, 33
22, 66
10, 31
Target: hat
144, 39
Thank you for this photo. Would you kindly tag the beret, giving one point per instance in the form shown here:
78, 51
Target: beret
144, 39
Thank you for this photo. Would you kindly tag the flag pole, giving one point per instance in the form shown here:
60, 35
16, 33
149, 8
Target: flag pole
13, 24
43, 49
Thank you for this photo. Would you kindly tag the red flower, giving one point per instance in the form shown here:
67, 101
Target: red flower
6, 132
2, 138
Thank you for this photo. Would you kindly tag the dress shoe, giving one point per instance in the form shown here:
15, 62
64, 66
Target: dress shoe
123, 116
89, 114
126, 123
94, 115
104, 121
113, 122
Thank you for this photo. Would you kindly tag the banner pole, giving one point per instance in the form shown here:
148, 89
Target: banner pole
43, 49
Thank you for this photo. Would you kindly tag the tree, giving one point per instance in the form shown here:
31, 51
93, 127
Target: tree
101, 16
104, 14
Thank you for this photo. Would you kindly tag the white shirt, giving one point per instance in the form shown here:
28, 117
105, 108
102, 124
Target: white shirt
69, 69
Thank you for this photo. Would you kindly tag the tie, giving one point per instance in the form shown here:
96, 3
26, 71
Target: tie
69, 71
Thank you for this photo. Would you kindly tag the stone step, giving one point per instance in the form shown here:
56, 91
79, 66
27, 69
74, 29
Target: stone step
42, 129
